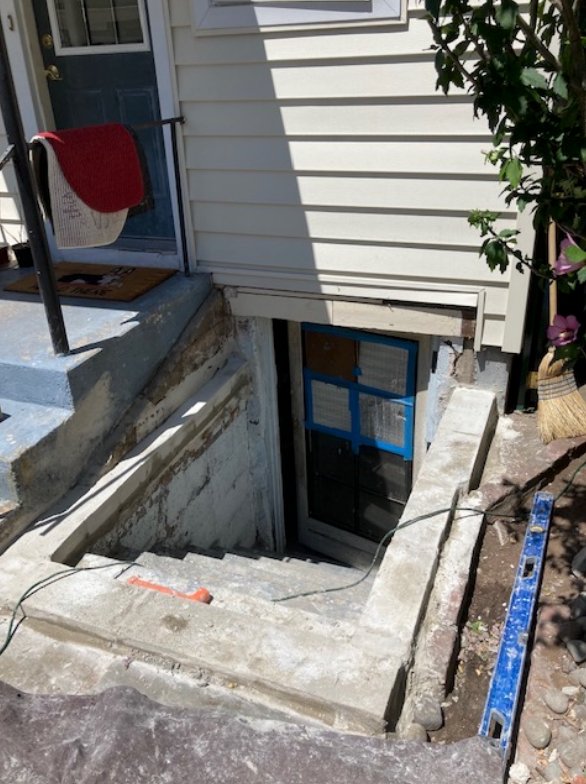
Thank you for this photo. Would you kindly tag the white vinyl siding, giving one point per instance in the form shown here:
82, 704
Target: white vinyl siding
328, 164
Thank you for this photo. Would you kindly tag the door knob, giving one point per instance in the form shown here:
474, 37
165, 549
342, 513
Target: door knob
52, 74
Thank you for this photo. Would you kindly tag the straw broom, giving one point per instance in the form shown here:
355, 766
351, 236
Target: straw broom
561, 412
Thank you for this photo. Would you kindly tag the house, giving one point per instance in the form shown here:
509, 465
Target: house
293, 389
325, 187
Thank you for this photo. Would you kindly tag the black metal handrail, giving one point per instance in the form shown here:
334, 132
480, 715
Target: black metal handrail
18, 152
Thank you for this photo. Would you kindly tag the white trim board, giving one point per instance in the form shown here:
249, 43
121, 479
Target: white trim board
392, 317
246, 16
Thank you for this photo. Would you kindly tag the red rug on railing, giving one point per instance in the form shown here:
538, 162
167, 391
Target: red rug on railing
101, 164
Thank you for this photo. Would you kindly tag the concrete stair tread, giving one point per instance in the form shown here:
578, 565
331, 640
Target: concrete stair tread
301, 563
226, 598
237, 576
288, 574
250, 577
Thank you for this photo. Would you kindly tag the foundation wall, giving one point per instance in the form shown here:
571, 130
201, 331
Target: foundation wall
222, 488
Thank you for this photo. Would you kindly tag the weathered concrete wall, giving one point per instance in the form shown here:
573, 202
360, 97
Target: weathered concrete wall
203, 498
223, 489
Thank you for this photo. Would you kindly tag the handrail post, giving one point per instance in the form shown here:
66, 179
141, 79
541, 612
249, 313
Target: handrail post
30, 204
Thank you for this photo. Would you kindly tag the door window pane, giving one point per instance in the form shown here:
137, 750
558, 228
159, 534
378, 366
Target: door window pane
99, 22
384, 473
383, 367
377, 516
382, 420
330, 355
331, 406
331, 502
331, 457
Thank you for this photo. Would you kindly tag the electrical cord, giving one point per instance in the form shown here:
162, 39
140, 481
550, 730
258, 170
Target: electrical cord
389, 535
13, 623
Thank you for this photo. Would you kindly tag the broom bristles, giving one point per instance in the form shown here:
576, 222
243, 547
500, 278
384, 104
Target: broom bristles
562, 411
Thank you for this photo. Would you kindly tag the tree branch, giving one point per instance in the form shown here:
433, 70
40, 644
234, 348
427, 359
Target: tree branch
532, 38
466, 75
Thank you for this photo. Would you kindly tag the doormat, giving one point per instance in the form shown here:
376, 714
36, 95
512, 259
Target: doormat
97, 281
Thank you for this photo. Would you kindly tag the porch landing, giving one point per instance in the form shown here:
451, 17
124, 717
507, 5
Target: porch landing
57, 410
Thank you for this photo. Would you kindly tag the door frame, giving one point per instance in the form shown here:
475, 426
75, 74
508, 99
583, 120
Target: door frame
324, 538
26, 63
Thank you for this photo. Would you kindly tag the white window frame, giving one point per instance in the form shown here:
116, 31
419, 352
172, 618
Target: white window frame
241, 16
97, 49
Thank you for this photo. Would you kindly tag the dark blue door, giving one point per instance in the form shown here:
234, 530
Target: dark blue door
100, 68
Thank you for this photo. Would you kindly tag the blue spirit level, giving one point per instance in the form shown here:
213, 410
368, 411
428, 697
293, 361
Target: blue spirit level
498, 720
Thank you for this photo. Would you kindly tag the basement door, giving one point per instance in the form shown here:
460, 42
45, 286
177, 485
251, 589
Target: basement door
359, 391
100, 68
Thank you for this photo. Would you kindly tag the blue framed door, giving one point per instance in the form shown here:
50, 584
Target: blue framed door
359, 391
100, 68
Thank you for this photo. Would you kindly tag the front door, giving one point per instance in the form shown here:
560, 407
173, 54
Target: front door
100, 68
359, 394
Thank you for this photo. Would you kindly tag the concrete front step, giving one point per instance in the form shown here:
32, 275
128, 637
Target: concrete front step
120, 338
28, 433
58, 410
179, 576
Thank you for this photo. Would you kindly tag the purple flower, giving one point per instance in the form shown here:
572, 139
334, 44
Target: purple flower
562, 264
563, 331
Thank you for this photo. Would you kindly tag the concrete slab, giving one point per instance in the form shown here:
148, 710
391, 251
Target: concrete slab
61, 661
310, 673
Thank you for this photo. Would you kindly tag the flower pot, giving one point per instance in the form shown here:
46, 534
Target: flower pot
23, 254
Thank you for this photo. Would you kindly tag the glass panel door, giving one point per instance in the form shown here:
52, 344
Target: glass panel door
359, 399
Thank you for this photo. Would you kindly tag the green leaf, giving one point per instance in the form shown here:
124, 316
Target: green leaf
511, 171
506, 234
531, 77
575, 254
496, 255
560, 86
581, 274
506, 15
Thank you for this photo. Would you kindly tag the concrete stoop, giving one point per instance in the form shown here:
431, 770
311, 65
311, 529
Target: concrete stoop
56, 411
342, 661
